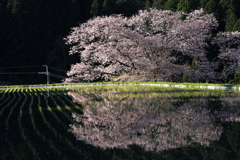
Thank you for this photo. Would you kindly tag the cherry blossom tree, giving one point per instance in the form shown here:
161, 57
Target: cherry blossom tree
99, 42
229, 54
157, 44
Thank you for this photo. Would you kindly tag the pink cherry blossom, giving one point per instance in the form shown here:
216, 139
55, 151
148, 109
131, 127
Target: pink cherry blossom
157, 44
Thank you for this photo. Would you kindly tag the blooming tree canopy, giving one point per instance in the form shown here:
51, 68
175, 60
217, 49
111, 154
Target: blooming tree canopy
157, 44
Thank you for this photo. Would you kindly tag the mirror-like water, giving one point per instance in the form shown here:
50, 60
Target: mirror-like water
120, 122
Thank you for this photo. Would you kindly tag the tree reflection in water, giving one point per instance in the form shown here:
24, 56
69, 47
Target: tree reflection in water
155, 120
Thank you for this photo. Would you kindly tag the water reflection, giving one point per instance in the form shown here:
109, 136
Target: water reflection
155, 120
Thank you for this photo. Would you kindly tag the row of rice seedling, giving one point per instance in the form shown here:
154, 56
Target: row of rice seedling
2, 95
12, 109
51, 112
40, 132
22, 129
51, 130
5, 101
66, 111
65, 108
31, 116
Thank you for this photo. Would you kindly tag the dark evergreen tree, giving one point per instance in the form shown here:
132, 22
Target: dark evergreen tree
236, 26
159, 4
107, 8
210, 6
126, 7
15, 6
187, 5
75, 14
171, 5
184, 5
231, 18
224, 4
236, 4
140, 4
148, 4
203, 3
95, 8
85, 6
31, 28
5, 30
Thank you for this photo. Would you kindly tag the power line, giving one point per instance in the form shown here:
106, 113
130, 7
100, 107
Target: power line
57, 69
56, 76
33, 66
18, 72
47, 72
21, 66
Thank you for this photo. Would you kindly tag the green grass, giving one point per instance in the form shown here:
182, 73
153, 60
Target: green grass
165, 84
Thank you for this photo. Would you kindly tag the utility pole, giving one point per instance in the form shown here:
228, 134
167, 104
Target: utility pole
47, 73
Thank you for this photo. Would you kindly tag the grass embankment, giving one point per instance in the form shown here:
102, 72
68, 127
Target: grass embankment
163, 84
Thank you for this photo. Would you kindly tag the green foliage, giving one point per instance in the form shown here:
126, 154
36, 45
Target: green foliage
236, 79
224, 4
15, 6
148, 4
107, 8
231, 18
203, 3
187, 5
236, 26
194, 63
159, 4
210, 6
185, 78
171, 5
184, 5
95, 8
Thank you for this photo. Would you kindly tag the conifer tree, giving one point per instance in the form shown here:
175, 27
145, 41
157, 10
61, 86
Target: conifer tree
171, 5
231, 18
203, 3
236, 27
184, 5
187, 5
107, 7
224, 4
95, 8
210, 6
148, 4
14, 5
127, 7
75, 14
159, 4
236, 4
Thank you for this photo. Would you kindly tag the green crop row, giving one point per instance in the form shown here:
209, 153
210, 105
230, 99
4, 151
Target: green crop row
165, 84
37, 116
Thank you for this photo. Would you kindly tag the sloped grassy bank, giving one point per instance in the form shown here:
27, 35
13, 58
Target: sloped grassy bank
163, 84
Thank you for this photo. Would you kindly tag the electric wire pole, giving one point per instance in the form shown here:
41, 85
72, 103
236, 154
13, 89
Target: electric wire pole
47, 73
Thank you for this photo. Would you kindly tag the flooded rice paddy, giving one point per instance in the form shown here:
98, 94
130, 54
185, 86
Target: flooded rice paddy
119, 122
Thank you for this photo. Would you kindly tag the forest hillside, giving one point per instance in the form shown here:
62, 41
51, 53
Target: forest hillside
32, 31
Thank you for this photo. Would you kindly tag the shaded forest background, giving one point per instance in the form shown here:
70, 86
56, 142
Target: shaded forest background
32, 31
